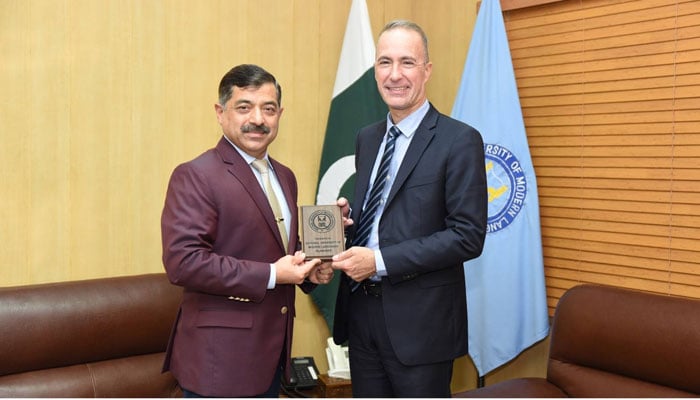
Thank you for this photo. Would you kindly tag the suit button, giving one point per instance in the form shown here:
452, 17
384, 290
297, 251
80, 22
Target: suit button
283, 310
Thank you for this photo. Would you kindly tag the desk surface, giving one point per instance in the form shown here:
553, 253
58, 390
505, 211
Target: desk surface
333, 387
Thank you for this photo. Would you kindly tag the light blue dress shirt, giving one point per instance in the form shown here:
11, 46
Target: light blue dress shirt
408, 127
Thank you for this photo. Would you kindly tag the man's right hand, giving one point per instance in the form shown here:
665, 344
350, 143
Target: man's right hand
292, 268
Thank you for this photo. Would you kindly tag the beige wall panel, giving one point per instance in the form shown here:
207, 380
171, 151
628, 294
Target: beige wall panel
13, 201
99, 57
150, 129
48, 108
15, 123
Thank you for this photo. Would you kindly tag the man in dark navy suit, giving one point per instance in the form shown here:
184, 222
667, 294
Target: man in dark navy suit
402, 298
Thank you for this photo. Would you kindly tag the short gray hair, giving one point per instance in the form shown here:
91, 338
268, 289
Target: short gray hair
411, 26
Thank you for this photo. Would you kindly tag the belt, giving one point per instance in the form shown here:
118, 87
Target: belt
371, 288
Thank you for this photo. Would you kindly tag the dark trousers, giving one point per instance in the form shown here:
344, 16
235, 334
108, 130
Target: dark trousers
375, 369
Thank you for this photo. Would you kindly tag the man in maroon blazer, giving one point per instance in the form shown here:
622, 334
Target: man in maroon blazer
224, 244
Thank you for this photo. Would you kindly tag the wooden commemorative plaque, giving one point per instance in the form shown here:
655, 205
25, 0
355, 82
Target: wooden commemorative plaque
322, 231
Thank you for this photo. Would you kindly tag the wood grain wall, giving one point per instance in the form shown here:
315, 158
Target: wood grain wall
610, 91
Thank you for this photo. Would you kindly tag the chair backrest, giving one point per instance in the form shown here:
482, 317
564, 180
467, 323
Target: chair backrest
90, 338
613, 342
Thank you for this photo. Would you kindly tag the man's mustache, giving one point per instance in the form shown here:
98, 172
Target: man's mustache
255, 128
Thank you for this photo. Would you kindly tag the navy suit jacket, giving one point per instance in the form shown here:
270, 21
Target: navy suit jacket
219, 238
434, 220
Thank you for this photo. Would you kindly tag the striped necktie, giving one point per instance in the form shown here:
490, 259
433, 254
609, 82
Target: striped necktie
375, 196
261, 166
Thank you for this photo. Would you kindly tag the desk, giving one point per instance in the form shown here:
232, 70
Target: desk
333, 387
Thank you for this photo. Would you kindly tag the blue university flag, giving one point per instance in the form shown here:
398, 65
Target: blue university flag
506, 295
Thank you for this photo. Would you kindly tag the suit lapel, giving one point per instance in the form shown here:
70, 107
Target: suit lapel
370, 150
424, 134
240, 170
286, 184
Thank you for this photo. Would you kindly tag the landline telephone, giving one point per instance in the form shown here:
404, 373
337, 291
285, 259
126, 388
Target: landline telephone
338, 360
304, 374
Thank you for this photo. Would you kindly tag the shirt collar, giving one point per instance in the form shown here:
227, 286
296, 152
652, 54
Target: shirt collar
247, 157
409, 125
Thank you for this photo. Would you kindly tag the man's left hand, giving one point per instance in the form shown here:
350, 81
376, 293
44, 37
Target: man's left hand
357, 262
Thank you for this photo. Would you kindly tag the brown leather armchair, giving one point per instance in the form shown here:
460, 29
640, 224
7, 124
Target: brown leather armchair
91, 338
613, 342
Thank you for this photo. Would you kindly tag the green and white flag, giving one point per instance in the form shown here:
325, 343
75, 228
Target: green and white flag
356, 103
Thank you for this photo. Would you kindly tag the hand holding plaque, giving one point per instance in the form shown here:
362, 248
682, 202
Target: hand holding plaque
322, 231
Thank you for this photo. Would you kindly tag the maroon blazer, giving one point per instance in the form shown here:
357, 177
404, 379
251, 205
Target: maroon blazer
219, 238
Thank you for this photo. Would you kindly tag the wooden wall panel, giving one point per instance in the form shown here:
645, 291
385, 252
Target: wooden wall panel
610, 96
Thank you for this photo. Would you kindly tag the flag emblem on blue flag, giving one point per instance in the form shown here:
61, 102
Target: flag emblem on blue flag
507, 187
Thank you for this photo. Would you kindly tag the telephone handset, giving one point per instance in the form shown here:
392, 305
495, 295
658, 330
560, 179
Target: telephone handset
304, 373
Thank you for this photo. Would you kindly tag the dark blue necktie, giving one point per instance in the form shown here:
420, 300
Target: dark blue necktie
375, 196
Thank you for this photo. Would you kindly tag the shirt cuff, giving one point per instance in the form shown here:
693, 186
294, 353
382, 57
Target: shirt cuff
379, 263
273, 277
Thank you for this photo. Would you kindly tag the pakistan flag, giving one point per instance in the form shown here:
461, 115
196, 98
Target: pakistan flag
356, 103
